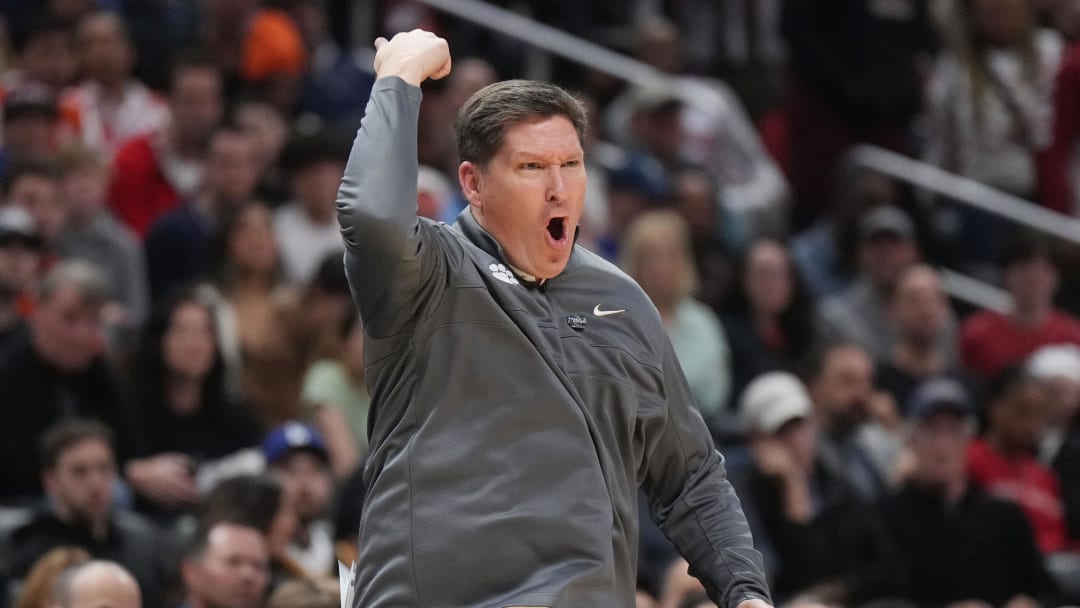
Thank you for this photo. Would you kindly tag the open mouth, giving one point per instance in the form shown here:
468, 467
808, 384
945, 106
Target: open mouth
557, 229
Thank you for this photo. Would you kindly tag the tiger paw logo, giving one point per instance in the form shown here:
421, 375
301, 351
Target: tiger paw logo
500, 272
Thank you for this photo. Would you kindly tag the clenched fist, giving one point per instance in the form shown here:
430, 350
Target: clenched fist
412, 56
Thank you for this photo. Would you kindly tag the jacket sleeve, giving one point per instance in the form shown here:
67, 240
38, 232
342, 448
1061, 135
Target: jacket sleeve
389, 252
693, 503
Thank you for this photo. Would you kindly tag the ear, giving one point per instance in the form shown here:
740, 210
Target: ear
469, 178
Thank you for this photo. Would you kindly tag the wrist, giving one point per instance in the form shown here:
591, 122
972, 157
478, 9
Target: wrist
405, 71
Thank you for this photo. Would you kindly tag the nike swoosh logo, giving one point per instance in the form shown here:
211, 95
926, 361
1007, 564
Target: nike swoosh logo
603, 313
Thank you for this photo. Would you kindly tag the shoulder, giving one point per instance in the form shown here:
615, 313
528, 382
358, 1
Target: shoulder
982, 323
135, 151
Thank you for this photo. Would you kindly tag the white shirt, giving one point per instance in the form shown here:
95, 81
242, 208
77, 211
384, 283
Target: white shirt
303, 243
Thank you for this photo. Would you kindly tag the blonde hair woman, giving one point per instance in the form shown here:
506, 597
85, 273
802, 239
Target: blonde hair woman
656, 252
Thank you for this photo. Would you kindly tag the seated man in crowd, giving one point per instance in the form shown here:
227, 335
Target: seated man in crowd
857, 441
924, 337
956, 543
296, 455
991, 341
20, 260
56, 368
226, 566
826, 538
97, 584
1004, 461
79, 474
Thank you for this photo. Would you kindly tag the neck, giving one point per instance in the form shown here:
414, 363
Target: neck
98, 529
184, 146
1003, 447
765, 322
918, 358
1031, 314
184, 393
113, 88
319, 214
252, 284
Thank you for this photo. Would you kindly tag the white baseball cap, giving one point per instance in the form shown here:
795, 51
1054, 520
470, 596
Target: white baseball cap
771, 401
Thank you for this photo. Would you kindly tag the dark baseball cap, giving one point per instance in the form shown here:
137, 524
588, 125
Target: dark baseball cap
293, 436
30, 99
942, 394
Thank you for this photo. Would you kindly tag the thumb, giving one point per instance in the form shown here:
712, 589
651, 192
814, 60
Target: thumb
379, 42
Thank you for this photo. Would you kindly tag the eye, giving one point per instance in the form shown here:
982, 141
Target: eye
530, 166
572, 163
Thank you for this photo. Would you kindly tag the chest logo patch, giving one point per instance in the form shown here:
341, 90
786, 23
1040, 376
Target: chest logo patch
576, 321
603, 313
500, 272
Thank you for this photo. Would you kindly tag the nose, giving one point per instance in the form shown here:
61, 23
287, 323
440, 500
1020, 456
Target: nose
556, 187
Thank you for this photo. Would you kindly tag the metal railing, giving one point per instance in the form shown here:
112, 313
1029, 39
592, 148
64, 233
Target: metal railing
721, 101
967, 192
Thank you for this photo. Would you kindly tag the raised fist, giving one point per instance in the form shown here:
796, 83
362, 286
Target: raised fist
412, 56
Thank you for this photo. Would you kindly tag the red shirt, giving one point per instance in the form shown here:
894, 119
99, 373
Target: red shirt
1053, 164
139, 193
1028, 484
990, 341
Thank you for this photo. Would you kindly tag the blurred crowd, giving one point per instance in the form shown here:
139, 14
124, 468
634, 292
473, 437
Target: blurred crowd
183, 414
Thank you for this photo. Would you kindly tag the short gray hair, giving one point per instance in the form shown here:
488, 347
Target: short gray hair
87, 279
482, 122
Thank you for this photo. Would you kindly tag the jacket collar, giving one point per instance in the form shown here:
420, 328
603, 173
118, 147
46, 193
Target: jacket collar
467, 225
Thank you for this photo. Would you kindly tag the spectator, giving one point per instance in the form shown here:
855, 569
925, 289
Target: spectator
827, 538
273, 57
296, 455
336, 397
1057, 369
1004, 461
770, 325
886, 246
20, 263
155, 172
31, 124
989, 97
955, 543
713, 232
91, 233
337, 79
44, 53
307, 593
261, 121
34, 186
1057, 182
178, 245
259, 502
307, 227
38, 585
110, 107
991, 341
854, 77
260, 315
56, 369
435, 197
187, 415
923, 336
226, 566
825, 252
657, 253
97, 584
79, 474
857, 441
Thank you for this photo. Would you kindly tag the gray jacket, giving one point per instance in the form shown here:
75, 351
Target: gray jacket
511, 425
